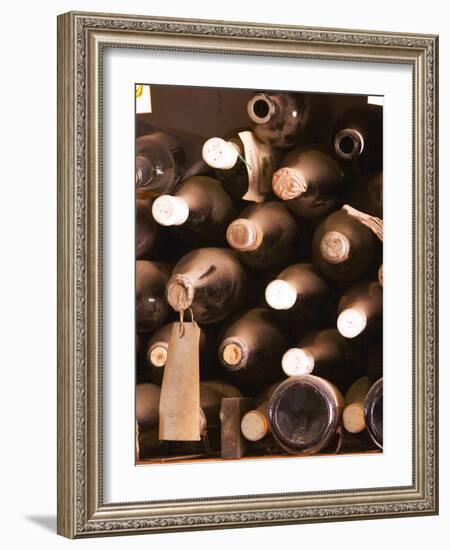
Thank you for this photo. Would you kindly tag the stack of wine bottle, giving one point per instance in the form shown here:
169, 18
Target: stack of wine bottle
271, 237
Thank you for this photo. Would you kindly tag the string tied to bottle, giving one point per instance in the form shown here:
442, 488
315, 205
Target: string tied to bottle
181, 323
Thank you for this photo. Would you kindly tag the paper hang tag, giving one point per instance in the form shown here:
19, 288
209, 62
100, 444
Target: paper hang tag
260, 163
179, 405
372, 222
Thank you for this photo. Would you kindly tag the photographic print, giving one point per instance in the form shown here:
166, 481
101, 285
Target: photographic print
259, 240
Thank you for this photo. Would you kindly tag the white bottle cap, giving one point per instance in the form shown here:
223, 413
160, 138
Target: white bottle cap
219, 153
280, 294
297, 361
169, 210
351, 322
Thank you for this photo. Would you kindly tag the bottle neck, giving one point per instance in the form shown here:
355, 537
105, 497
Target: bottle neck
180, 292
169, 210
262, 108
298, 361
352, 322
281, 294
349, 143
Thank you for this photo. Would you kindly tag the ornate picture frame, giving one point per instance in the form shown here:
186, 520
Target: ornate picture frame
82, 38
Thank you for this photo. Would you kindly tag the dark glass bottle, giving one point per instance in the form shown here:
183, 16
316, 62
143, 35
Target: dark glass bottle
358, 139
373, 412
301, 290
325, 353
265, 235
284, 119
255, 423
344, 249
211, 281
305, 414
146, 229
152, 310
310, 182
251, 349
360, 310
243, 164
164, 158
200, 207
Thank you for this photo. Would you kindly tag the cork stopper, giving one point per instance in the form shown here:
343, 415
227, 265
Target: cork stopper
254, 425
243, 235
353, 418
233, 353
297, 361
218, 153
261, 108
168, 210
351, 322
348, 143
288, 184
335, 247
180, 292
280, 294
157, 354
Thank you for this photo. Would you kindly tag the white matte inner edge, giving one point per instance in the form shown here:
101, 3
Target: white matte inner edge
122, 480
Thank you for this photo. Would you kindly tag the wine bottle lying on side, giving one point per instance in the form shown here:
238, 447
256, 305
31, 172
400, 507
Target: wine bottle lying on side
251, 349
310, 182
152, 310
344, 249
302, 291
200, 208
146, 230
284, 119
265, 235
360, 310
210, 281
305, 414
164, 158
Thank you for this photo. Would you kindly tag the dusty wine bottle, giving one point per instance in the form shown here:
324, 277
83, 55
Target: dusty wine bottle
152, 310
243, 164
373, 412
210, 281
325, 353
251, 349
201, 208
301, 289
344, 249
305, 414
360, 309
265, 234
310, 182
164, 158
358, 138
146, 229
283, 119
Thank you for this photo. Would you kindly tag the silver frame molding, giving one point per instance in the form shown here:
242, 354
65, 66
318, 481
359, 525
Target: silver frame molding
81, 39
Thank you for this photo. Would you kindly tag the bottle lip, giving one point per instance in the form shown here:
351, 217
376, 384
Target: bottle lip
288, 183
281, 294
373, 396
326, 391
157, 354
140, 163
254, 425
234, 353
263, 103
335, 247
243, 235
168, 210
180, 292
351, 322
297, 361
349, 137
219, 153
